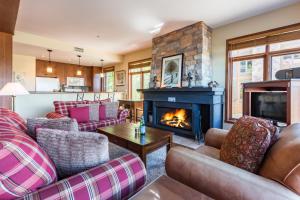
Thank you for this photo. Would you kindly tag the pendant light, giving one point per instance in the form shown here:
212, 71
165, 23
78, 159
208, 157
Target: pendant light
49, 68
79, 72
102, 74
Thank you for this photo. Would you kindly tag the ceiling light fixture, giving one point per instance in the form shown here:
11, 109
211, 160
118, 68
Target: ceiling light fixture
49, 68
79, 72
102, 74
156, 29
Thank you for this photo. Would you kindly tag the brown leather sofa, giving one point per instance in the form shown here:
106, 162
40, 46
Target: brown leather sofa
202, 170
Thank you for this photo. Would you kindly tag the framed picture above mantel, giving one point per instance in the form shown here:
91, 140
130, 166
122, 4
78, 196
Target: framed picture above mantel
171, 71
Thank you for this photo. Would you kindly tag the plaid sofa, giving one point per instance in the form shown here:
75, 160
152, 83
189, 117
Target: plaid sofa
61, 110
27, 172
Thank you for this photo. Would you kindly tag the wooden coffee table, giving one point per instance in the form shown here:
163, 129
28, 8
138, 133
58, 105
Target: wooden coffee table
124, 136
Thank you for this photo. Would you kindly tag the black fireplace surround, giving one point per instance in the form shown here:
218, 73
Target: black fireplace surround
203, 108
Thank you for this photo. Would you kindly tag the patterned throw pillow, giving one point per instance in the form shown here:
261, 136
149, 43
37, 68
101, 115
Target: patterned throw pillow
65, 124
246, 144
24, 166
73, 152
111, 109
93, 111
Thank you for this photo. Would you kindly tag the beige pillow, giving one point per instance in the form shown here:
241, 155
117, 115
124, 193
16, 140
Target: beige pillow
111, 109
93, 111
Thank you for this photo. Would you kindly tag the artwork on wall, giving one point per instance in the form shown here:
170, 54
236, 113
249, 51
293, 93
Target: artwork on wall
120, 78
171, 71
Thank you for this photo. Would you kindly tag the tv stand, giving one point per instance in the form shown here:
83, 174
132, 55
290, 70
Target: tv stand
292, 89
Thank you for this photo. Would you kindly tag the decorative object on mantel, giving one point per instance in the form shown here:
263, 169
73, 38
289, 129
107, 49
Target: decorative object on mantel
120, 78
155, 82
171, 71
190, 78
213, 84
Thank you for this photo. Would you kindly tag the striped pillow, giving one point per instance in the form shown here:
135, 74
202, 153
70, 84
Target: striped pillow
13, 119
24, 166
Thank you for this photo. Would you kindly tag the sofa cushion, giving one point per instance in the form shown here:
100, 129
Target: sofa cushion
283, 157
62, 107
81, 114
73, 152
93, 110
102, 112
246, 144
111, 109
93, 125
65, 124
13, 118
24, 166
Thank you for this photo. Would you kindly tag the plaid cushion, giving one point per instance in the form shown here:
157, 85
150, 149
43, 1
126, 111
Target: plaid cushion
13, 118
93, 125
117, 179
54, 115
62, 107
123, 114
24, 166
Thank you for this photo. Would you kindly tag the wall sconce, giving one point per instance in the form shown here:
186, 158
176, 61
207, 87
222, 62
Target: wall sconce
49, 70
79, 73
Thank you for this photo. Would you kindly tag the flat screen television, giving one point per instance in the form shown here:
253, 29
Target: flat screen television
269, 105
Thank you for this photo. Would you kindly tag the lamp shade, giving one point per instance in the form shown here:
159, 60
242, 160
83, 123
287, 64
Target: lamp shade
13, 89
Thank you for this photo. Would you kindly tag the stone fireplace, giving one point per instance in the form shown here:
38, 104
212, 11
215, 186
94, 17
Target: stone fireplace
194, 42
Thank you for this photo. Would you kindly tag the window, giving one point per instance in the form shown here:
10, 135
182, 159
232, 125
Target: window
109, 79
139, 77
257, 57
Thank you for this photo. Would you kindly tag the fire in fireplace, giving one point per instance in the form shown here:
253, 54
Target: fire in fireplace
179, 118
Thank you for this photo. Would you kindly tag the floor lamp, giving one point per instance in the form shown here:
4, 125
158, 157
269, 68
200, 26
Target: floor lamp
13, 89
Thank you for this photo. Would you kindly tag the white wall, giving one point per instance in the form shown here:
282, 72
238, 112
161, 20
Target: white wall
278, 18
24, 69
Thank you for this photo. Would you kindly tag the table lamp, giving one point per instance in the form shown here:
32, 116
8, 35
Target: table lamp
13, 89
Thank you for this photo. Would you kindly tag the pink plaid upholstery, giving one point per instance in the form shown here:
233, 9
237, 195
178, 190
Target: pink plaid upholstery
122, 115
62, 107
93, 125
117, 179
13, 119
24, 166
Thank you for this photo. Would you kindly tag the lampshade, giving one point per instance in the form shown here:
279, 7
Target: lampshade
13, 89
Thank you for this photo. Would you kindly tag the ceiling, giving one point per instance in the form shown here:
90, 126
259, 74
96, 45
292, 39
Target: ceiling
108, 29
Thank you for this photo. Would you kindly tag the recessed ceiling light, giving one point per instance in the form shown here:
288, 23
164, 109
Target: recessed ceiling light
156, 28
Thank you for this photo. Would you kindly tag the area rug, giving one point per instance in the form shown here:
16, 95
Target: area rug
155, 160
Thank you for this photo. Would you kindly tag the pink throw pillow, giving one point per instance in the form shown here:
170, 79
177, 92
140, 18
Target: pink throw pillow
81, 114
102, 112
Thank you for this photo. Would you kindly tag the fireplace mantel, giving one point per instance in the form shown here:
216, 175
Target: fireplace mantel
205, 103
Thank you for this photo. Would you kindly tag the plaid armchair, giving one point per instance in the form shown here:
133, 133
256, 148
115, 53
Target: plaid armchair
117, 179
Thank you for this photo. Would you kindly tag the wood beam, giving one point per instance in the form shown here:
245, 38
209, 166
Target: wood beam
9, 11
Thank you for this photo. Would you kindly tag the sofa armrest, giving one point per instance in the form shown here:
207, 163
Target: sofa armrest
123, 114
220, 180
118, 179
215, 137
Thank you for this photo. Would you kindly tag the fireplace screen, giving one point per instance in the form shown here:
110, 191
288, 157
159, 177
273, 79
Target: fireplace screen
178, 118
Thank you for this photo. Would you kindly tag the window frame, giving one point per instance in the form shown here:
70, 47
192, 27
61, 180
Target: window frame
267, 57
134, 65
105, 71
